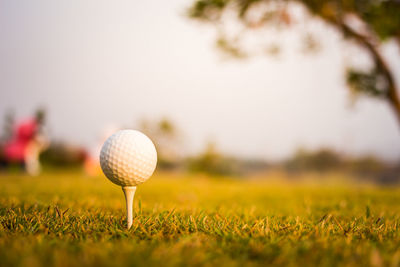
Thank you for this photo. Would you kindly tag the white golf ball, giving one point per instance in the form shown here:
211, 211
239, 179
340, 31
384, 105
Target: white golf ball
128, 158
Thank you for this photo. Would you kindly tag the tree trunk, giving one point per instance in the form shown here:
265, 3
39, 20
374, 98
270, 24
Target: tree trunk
391, 94
395, 103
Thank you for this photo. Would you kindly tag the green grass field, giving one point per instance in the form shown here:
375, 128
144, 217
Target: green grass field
67, 219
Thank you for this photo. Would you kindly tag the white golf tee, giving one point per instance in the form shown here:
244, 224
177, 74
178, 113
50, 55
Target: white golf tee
129, 192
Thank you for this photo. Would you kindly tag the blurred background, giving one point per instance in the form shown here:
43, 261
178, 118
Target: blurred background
236, 88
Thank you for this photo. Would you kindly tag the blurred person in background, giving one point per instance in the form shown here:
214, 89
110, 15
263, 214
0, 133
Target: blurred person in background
92, 158
26, 143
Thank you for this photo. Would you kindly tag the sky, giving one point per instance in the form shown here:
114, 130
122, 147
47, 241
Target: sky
96, 63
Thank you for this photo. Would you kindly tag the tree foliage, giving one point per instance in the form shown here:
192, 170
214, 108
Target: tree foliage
211, 161
167, 138
366, 23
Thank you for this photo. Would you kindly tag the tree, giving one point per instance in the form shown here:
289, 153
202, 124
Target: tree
367, 23
320, 160
213, 162
167, 138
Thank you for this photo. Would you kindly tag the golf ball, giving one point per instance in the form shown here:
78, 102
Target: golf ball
128, 158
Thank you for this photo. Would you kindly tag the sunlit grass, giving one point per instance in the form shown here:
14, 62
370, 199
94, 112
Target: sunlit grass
67, 219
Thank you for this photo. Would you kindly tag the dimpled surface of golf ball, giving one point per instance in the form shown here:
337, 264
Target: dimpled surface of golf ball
128, 158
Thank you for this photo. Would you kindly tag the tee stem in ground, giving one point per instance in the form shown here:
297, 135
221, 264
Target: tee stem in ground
129, 192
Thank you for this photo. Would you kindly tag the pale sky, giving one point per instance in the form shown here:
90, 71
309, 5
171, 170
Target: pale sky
96, 63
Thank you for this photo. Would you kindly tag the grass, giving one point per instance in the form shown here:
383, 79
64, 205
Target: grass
67, 219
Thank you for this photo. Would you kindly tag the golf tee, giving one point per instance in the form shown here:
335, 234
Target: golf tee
129, 192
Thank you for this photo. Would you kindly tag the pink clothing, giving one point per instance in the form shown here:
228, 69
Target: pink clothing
14, 149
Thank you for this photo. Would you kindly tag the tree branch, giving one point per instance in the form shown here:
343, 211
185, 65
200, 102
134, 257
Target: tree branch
380, 63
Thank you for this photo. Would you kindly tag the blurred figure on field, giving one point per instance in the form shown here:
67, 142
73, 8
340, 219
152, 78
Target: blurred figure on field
26, 143
92, 159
